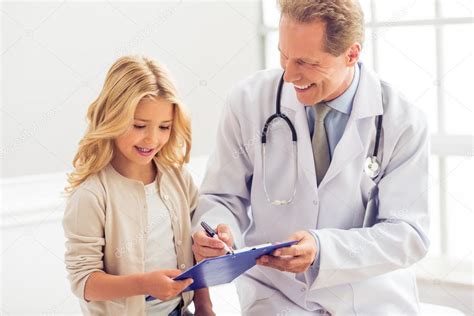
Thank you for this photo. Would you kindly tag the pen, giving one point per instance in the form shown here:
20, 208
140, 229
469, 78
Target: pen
212, 233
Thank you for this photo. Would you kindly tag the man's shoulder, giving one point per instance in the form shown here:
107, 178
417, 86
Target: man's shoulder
398, 110
258, 82
398, 106
264, 75
257, 88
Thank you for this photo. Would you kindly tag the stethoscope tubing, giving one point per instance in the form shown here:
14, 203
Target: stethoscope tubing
294, 138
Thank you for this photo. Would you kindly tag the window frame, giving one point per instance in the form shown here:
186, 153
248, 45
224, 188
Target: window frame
443, 144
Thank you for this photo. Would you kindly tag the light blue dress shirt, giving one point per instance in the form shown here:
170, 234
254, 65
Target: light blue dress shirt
335, 123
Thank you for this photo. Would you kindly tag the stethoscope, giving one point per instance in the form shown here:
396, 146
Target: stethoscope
372, 163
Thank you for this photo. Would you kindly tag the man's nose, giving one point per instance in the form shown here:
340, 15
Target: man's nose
292, 73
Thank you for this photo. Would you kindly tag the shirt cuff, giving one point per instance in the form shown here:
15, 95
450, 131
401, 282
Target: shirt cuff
312, 273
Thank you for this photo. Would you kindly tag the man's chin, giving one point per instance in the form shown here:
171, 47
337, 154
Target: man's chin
308, 101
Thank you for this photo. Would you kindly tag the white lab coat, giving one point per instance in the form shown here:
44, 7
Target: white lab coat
369, 234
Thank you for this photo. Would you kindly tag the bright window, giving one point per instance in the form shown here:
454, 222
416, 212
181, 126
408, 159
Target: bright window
425, 49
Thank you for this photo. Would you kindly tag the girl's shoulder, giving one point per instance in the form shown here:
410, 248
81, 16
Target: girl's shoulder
92, 186
85, 204
179, 174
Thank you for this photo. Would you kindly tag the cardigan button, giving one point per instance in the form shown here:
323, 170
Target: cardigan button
182, 266
165, 197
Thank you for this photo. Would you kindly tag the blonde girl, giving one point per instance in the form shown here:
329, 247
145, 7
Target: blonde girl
127, 220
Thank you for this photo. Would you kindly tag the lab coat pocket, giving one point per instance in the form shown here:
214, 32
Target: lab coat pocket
397, 289
251, 291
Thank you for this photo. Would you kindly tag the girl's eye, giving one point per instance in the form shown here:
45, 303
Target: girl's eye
165, 127
139, 126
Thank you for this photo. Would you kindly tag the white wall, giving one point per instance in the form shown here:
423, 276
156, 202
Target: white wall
55, 56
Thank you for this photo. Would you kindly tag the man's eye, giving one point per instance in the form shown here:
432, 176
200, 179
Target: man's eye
139, 126
304, 63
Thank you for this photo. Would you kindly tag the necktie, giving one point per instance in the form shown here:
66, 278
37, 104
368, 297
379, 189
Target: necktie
319, 141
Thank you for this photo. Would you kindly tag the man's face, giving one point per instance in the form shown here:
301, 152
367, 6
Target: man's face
315, 74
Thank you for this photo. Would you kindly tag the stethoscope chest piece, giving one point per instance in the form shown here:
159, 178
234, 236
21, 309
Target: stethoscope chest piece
372, 167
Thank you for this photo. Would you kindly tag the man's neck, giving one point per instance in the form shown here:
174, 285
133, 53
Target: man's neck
344, 85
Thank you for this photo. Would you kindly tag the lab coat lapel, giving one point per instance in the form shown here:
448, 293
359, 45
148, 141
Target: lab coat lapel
367, 104
290, 103
348, 148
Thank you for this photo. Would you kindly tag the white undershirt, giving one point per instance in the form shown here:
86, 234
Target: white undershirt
160, 253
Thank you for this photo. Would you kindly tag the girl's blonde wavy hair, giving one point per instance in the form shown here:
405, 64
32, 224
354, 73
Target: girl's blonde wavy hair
129, 80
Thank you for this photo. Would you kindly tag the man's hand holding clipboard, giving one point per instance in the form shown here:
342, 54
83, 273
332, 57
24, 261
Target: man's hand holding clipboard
297, 258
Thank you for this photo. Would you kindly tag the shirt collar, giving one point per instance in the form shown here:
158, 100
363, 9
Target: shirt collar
343, 103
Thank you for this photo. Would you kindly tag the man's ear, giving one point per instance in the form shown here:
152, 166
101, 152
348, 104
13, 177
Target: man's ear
353, 54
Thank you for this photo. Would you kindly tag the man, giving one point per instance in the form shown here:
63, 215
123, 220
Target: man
360, 224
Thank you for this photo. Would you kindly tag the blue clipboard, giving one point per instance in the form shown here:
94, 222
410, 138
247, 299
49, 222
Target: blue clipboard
224, 269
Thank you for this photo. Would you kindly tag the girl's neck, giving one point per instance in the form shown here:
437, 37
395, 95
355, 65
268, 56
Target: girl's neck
146, 174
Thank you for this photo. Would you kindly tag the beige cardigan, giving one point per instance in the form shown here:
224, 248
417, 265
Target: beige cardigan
105, 226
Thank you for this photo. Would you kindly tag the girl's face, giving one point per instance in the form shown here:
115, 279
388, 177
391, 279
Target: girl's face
149, 132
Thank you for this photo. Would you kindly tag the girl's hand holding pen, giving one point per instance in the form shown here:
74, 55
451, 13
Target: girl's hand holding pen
160, 284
